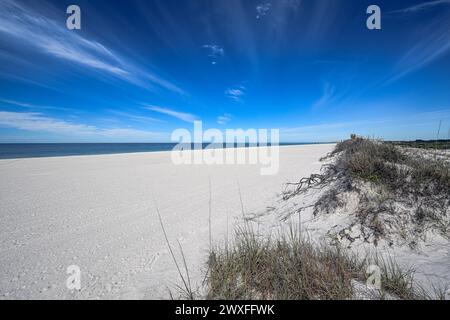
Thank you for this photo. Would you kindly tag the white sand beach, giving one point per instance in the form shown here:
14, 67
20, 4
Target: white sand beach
98, 212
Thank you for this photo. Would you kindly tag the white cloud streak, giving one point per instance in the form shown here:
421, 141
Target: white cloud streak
328, 96
34, 121
292, 4
341, 130
235, 94
317, 128
215, 52
135, 117
53, 39
37, 122
421, 6
187, 117
223, 119
29, 105
434, 44
262, 9
433, 40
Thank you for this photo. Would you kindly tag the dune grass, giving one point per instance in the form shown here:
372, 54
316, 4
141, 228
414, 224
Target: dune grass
391, 167
288, 267
390, 182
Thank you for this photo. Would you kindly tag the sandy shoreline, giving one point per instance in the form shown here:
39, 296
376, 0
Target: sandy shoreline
98, 212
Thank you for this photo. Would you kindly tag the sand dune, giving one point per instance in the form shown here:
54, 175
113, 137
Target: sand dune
98, 212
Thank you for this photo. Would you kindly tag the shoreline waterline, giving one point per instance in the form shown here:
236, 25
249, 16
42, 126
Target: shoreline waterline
13, 151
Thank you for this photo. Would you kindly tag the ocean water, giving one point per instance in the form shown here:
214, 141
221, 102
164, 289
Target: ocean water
37, 150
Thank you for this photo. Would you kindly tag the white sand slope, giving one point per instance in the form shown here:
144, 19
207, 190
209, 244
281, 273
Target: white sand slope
98, 212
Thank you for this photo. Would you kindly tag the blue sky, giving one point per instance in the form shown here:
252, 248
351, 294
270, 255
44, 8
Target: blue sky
137, 70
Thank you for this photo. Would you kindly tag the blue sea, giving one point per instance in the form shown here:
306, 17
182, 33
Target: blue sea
37, 150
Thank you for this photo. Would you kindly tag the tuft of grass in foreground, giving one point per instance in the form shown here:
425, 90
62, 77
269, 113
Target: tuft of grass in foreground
287, 267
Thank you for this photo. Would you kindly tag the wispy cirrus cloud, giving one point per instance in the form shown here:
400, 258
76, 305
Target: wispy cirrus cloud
130, 133
215, 52
443, 114
326, 131
427, 122
421, 7
434, 44
317, 128
328, 96
262, 9
433, 40
224, 119
38, 122
187, 117
35, 121
236, 94
30, 105
292, 4
53, 39
136, 117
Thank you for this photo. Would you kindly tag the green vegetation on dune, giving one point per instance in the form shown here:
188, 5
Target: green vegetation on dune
410, 189
423, 144
392, 167
387, 179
